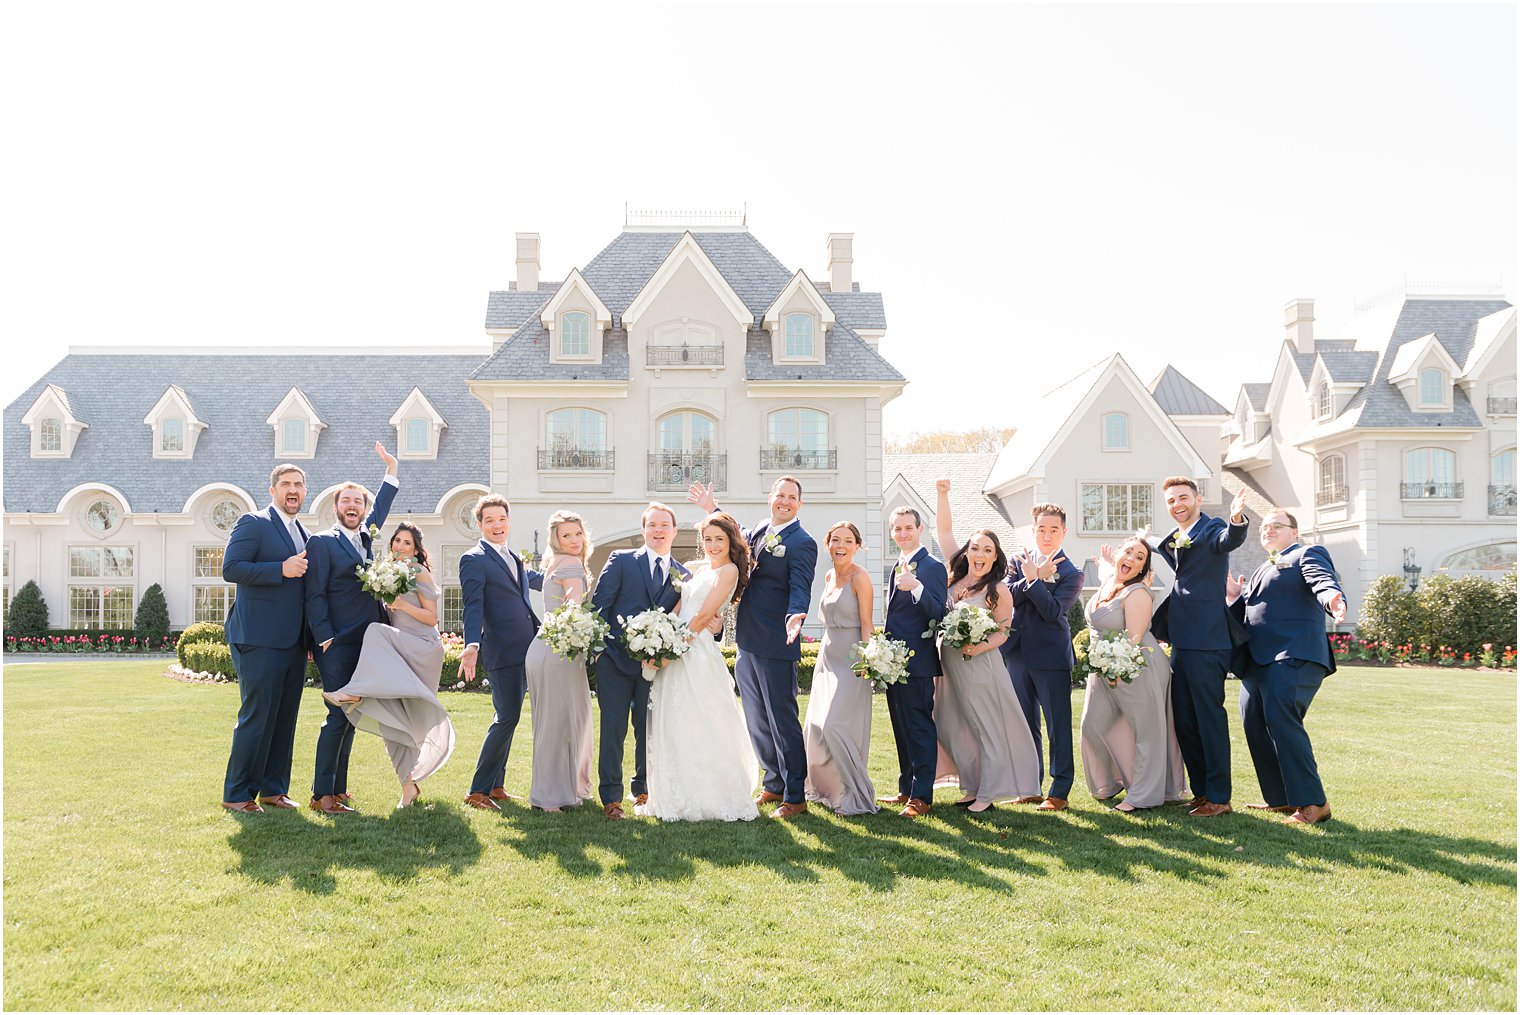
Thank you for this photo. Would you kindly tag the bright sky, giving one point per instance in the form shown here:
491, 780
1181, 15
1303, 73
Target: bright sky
1031, 187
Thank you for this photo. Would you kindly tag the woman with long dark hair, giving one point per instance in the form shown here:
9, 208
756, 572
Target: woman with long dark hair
394, 690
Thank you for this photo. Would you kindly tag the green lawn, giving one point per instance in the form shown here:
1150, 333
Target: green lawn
127, 887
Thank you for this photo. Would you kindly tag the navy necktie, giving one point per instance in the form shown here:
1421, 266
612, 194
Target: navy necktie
659, 572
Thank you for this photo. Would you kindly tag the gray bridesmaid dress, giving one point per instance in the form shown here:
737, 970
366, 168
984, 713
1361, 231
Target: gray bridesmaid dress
561, 708
1129, 741
981, 726
837, 728
397, 676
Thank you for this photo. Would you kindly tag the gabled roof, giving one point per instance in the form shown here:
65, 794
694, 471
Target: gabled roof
525, 357
1256, 395
970, 509
1348, 367
509, 308
798, 283
173, 396
575, 283
1179, 396
848, 358
687, 251
1421, 350
49, 392
1488, 336
233, 394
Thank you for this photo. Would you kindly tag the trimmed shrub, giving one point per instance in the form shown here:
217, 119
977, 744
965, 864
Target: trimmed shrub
197, 634
1447, 622
1389, 611
1080, 671
207, 657
28, 615
1076, 617
152, 625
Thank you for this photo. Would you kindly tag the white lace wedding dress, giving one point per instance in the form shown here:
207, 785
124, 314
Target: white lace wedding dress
701, 766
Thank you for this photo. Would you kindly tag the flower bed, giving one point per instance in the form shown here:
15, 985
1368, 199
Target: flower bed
115, 644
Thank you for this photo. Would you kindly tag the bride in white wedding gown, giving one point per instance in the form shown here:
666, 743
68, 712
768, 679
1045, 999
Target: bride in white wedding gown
701, 766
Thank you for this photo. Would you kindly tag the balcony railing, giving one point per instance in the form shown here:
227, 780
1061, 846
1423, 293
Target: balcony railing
1438, 491
797, 458
676, 470
574, 458
1501, 406
1501, 500
1330, 495
683, 355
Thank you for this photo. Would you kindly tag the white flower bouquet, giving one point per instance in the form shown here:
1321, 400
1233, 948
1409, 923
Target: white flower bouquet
654, 637
965, 624
881, 660
574, 631
1114, 657
387, 578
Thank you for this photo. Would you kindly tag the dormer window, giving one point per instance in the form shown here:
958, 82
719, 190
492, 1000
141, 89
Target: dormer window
174, 425
296, 426
55, 429
1322, 401
575, 334
418, 427
574, 320
799, 336
171, 436
1115, 432
50, 435
416, 436
293, 437
1432, 387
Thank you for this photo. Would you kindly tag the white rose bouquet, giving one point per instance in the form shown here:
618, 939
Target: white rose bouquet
574, 631
387, 578
1114, 657
881, 660
654, 637
965, 624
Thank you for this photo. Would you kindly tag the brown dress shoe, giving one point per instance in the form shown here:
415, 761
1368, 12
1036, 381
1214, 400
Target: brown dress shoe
916, 808
1310, 815
481, 801
243, 807
1210, 810
767, 797
281, 802
1285, 809
1052, 803
1036, 799
900, 798
790, 810
613, 811
499, 793
330, 805
347, 798
1197, 801
640, 799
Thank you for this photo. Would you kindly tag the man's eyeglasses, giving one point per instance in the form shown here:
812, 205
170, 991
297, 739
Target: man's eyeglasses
1273, 526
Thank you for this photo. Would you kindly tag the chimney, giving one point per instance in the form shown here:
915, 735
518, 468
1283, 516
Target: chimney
527, 262
1298, 318
841, 257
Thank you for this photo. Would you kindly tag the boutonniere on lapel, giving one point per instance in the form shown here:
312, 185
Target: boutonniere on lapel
529, 558
676, 581
908, 568
1181, 541
773, 545
1278, 561
374, 532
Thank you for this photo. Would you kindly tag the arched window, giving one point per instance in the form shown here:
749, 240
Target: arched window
1332, 480
171, 435
1116, 432
224, 515
575, 439
293, 437
417, 436
1322, 401
575, 334
690, 432
50, 435
1501, 483
1492, 557
1431, 472
686, 453
1432, 386
798, 439
799, 336
102, 517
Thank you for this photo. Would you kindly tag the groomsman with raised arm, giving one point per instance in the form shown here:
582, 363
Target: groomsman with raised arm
1282, 665
266, 630
1038, 652
1195, 621
499, 625
770, 617
338, 610
917, 597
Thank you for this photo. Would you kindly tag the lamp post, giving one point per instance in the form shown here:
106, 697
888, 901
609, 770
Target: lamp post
1411, 569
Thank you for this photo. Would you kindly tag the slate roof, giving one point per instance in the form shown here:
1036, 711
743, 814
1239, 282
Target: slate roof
1256, 395
967, 473
508, 308
622, 268
1349, 366
234, 395
1179, 396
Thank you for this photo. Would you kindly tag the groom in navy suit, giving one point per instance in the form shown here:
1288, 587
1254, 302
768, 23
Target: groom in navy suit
499, 625
266, 630
631, 582
337, 611
770, 616
1283, 664
917, 598
1195, 620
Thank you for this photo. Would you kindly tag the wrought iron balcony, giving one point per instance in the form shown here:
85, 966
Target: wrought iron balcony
1501, 500
683, 355
1501, 406
574, 458
1330, 495
797, 458
676, 470
1437, 491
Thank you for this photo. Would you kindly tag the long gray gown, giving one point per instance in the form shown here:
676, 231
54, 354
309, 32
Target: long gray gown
397, 676
837, 728
981, 726
1129, 741
561, 708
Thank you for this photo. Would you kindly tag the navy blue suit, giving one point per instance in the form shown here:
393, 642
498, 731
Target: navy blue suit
625, 588
499, 617
1281, 666
1039, 659
338, 608
266, 630
766, 667
1195, 621
910, 704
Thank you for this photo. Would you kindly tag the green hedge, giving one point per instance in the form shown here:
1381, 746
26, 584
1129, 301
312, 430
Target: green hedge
199, 634
1447, 618
208, 657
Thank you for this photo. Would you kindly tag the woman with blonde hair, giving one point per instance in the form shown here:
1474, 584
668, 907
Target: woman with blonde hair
557, 687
